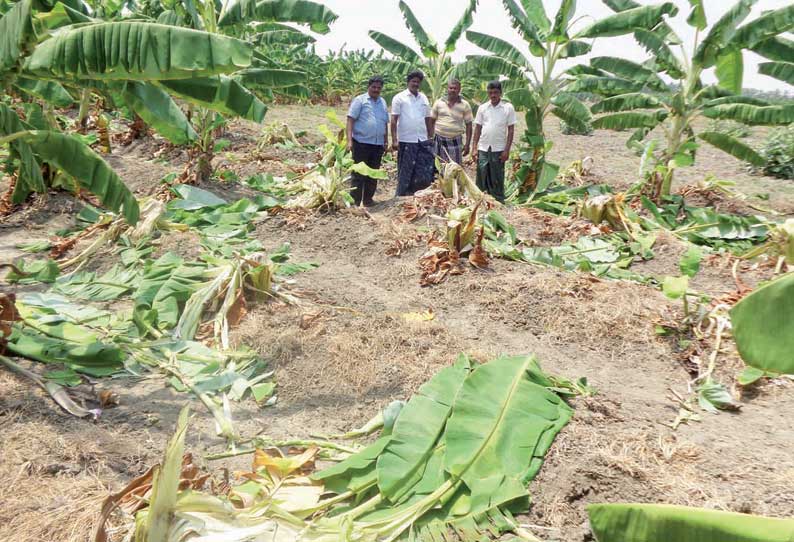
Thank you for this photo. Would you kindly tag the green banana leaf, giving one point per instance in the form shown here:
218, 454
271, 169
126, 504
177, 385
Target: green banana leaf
49, 91
316, 15
776, 48
427, 44
494, 66
752, 114
629, 119
16, 31
626, 102
697, 17
605, 86
629, 70
510, 432
559, 32
420, 423
526, 27
397, 48
575, 48
137, 51
571, 110
498, 47
91, 172
762, 326
536, 14
779, 70
222, 94
721, 33
159, 111
465, 21
767, 26
29, 171
667, 523
626, 22
733, 146
730, 70
664, 57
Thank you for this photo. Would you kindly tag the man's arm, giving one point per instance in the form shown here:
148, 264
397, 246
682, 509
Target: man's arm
394, 141
476, 142
506, 153
467, 146
349, 132
430, 123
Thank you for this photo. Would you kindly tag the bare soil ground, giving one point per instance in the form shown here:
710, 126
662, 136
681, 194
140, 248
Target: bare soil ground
346, 350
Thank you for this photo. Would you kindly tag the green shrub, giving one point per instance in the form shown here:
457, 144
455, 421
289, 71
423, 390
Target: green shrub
567, 129
778, 152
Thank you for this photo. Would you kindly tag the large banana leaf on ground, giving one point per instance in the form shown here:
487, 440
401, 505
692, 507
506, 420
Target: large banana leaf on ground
763, 326
314, 14
666, 523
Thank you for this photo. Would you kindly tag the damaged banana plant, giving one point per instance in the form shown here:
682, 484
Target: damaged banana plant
456, 463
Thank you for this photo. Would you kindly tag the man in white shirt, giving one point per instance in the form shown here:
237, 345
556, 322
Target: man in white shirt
410, 126
493, 136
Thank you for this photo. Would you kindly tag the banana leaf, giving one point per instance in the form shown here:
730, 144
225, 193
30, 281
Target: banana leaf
626, 102
316, 15
136, 51
526, 27
402, 463
397, 48
49, 91
625, 22
16, 31
733, 146
762, 326
159, 111
427, 44
666, 523
779, 70
465, 21
222, 94
71, 155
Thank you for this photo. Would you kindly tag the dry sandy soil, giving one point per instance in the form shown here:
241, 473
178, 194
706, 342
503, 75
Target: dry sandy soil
358, 353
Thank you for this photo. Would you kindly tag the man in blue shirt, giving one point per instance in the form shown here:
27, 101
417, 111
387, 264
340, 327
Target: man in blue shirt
367, 129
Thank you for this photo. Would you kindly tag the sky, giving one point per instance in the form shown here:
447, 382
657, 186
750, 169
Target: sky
357, 17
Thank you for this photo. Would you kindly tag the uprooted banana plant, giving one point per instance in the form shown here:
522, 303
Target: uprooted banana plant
461, 239
455, 183
456, 462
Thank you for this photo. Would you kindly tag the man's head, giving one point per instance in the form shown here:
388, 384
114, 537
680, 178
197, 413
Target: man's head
453, 89
495, 92
375, 86
414, 80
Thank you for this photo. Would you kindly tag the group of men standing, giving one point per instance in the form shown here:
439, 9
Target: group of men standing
420, 133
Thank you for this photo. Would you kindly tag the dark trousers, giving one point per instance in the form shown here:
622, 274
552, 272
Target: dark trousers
363, 188
491, 174
415, 162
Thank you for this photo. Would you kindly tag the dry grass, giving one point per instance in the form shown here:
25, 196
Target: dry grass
55, 474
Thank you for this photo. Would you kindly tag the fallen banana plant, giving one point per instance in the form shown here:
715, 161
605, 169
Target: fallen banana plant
779, 246
276, 133
456, 463
455, 183
443, 258
606, 208
664, 523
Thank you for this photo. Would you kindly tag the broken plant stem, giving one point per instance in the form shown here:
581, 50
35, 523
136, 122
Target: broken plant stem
260, 442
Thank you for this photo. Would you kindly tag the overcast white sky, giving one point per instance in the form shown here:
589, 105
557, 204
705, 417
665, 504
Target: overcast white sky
357, 17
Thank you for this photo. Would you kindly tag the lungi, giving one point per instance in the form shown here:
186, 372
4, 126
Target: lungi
414, 167
449, 148
491, 174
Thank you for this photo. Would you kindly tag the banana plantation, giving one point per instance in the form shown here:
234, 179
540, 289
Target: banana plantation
218, 322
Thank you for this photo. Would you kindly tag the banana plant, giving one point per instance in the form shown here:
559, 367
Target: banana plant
51, 52
215, 99
636, 97
433, 60
544, 90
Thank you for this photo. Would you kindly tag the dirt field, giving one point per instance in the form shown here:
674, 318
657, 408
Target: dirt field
346, 351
